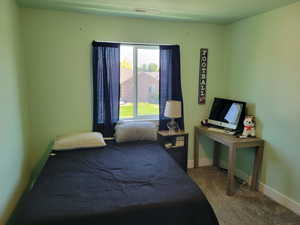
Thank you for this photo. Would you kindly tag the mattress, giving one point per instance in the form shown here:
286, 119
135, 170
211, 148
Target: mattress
121, 184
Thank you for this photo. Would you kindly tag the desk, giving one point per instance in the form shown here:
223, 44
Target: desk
233, 143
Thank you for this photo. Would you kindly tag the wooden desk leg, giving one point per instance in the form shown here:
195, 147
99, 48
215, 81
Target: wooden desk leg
196, 147
231, 168
216, 154
257, 166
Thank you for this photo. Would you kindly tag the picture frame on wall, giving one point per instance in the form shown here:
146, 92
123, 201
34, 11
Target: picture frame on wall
203, 76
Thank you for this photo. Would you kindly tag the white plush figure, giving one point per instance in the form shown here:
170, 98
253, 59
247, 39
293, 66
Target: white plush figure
249, 127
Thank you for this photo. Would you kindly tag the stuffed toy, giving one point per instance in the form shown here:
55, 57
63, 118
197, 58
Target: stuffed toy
249, 127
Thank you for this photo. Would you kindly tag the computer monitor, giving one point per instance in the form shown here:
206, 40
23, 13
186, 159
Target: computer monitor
227, 113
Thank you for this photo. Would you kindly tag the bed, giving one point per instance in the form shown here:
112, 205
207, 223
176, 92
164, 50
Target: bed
134, 183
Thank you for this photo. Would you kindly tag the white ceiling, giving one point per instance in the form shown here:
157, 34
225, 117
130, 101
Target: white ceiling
212, 11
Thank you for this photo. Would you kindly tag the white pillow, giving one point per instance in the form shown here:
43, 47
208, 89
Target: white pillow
80, 140
136, 131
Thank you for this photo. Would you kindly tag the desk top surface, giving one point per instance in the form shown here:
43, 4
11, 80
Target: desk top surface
227, 138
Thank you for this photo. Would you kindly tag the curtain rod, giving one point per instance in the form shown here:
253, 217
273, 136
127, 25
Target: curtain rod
132, 43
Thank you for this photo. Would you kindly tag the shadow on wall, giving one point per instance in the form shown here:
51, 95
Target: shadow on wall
275, 157
21, 186
24, 150
28, 182
16, 196
206, 147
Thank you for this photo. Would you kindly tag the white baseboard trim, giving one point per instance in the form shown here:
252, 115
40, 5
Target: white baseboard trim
190, 164
280, 198
263, 188
202, 162
268, 191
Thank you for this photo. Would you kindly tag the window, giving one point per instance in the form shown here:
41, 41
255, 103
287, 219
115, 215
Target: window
139, 82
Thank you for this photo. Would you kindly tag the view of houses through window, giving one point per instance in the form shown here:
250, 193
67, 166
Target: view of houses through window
139, 82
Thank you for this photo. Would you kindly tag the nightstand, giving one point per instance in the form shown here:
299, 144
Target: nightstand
176, 144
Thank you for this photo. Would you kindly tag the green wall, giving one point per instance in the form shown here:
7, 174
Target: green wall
255, 60
13, 137
262, 64
58, 65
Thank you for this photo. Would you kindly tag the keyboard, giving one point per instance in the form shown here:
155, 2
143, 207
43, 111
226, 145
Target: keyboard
223, 131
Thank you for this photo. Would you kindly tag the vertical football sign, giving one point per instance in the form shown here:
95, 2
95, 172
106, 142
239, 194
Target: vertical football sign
203, 75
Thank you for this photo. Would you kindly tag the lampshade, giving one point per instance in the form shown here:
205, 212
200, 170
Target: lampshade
173, 109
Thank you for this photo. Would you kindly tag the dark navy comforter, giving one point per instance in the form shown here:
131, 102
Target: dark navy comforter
121, 184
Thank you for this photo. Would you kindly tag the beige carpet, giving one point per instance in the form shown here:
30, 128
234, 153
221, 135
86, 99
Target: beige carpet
245, 207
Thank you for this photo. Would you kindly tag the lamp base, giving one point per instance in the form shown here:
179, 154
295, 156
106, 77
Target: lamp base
172, 125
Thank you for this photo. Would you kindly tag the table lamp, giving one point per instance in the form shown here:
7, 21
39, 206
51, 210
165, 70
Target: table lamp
173, 111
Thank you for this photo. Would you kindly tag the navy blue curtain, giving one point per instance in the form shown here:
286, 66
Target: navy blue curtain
106, 86
169, 82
